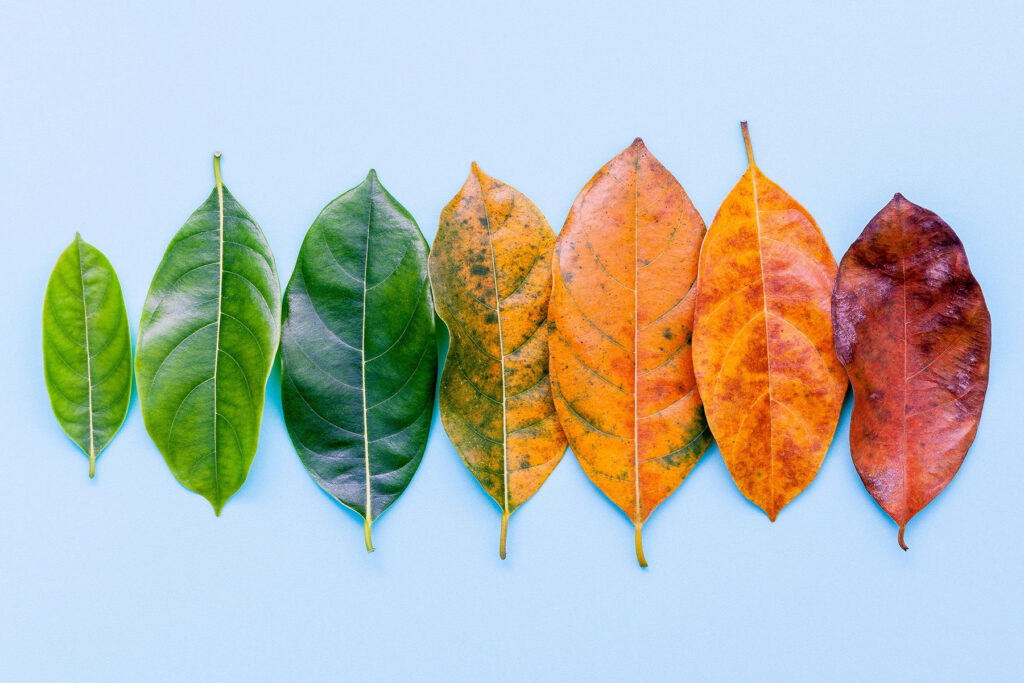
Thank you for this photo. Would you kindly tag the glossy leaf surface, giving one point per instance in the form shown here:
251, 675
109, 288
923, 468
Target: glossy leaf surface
491, 274
621, 318
208, 337
913, 331
87, 353
762, 343
358, 352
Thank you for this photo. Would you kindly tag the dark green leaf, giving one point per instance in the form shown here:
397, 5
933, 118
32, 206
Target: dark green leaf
358, 355
87, 353
208, 337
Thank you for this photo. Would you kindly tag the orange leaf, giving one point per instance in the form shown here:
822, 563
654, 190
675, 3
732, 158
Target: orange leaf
489, 270
762, 341
621, 316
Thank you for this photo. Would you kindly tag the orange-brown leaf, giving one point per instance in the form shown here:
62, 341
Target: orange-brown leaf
762, 343
914, 334
490, 274
621, 317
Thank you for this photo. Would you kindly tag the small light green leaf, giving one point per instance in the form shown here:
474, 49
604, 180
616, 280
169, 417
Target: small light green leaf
207, 340
87, 352
358, 354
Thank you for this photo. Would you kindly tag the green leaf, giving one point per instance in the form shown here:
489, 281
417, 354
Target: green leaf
358, 354
208, 337
87, 352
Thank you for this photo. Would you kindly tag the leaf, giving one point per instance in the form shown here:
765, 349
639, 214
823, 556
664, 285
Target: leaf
87, 353
358, 353
913, 331
621, 317
207, 340
762, 341
491, 276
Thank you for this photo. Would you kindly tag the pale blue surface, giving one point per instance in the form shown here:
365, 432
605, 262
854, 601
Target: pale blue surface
108, 119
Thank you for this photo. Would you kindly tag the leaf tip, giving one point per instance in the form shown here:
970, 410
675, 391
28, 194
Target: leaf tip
372, 175
476, 172
638, 144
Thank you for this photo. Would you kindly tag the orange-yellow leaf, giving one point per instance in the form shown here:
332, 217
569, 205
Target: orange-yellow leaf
762, 341
621, 318
490, 274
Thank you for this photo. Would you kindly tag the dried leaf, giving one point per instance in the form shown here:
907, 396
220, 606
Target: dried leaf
621, 316
358, 352
491, 277
87, 353
762, 341
913, 331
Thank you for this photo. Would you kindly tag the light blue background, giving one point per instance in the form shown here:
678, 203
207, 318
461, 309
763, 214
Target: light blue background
109, 114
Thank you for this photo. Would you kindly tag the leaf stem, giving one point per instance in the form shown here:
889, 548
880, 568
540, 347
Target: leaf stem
216, 169
746, 142
900, 537
92, 465
640, 545
504, 533
366, 534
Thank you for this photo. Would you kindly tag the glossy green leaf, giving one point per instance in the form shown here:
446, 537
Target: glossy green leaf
358, 354
208, 337
87, 353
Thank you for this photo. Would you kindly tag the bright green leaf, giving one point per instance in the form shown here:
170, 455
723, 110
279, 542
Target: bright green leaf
87, 352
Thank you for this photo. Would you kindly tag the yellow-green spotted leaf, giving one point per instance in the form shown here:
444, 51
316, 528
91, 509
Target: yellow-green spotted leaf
490, 270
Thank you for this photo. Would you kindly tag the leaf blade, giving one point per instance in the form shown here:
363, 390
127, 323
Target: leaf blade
207, 340
914, 334
358, 323
86, 348
763, 352
490, 275
621, 315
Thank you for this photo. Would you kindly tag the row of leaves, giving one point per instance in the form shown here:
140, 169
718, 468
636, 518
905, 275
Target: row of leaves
634, 337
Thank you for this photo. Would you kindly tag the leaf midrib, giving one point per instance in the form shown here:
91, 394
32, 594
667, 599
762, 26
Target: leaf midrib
88, 358
501, 351
767, 344
362, 357
216, 345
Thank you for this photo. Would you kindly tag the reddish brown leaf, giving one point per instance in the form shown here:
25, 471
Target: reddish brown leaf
913, 331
